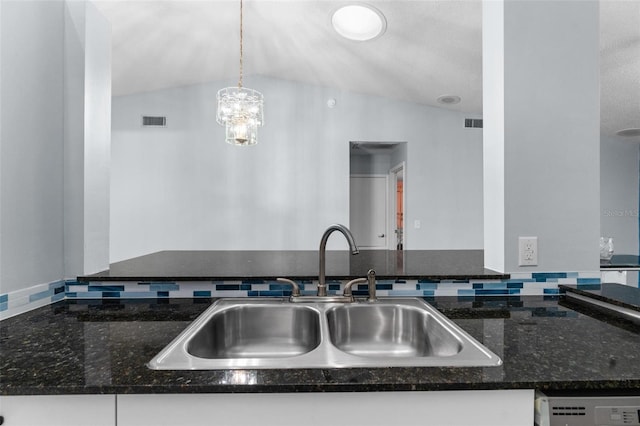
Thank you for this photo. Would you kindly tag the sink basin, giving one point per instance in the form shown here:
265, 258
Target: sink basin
257, 331
275, 333
390, 331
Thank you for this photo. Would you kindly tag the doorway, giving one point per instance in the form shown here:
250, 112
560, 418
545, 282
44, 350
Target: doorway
377, 200
397, 185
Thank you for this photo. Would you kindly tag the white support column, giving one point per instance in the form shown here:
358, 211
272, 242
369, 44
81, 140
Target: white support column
87, 138
493, 133
541, 136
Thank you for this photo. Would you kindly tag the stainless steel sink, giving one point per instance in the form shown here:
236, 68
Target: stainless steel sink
390, 331
274, 333
257, 331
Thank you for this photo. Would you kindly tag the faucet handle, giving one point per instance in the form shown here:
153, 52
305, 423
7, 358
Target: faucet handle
371, 279
347, 287
295, 291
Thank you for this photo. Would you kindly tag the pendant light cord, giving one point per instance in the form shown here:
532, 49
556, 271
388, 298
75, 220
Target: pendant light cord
240, 79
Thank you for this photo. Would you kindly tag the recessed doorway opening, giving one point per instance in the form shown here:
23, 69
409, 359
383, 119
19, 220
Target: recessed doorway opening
377, 194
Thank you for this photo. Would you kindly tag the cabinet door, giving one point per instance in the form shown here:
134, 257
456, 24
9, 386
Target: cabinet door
450, 408
62, 410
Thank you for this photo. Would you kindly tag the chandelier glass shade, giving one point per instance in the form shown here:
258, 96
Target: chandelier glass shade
240, 109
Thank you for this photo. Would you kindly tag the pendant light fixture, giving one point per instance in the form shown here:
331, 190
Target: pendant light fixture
240, 109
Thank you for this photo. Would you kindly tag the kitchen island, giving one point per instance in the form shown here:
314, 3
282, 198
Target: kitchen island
93, 346
204, 265
85, 360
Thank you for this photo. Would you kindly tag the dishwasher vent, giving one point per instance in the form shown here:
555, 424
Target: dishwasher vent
587, 410
573, 410
473, 123
154, 121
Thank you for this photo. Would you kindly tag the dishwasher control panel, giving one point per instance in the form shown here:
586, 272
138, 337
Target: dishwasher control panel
587, 411
616, 415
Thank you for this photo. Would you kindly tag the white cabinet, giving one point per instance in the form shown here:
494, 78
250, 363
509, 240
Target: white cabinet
445, 408
62, 410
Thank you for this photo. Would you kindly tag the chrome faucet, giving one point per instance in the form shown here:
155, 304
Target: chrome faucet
322, 285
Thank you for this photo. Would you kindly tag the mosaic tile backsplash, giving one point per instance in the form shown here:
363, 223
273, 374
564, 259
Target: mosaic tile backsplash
520, 284
24, 300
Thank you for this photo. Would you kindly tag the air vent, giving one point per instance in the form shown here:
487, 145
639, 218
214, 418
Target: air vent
155, 121
568, 411
473, 123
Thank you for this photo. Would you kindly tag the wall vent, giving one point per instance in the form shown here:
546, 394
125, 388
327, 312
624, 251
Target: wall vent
154, 121
473, 123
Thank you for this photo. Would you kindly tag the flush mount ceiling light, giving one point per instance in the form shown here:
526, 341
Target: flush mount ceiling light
359, 22
240, 109
449, 99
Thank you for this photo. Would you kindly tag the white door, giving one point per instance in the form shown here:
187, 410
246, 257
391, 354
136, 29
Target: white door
368, 211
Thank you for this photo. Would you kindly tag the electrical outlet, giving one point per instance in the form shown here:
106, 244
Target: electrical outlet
527, 251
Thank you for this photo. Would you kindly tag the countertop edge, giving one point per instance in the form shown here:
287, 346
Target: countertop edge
577, 290
618, 387
107, 278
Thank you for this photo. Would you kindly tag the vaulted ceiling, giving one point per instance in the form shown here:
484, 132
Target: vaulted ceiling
430, 48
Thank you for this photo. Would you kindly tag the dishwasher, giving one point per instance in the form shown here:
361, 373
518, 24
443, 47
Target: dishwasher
611, 299
587, 410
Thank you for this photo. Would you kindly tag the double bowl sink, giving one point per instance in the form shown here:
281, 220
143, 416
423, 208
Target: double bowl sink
275, 333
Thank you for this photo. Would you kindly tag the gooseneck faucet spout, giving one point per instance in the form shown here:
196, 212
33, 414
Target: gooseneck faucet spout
322, 285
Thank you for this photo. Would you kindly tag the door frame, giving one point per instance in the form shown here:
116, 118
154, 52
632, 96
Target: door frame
393, 172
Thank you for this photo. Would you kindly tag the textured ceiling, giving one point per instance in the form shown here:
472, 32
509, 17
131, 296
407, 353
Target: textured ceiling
431, 48
620, 66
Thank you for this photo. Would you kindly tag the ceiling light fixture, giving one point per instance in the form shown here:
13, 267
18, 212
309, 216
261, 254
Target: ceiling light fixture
449, 99
359, 22
240, 109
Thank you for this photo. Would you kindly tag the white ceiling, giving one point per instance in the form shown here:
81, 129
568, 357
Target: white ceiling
430, 48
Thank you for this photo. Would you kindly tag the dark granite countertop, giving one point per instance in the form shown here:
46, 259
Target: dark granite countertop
621, 261
175, 265
73, 347
612, 293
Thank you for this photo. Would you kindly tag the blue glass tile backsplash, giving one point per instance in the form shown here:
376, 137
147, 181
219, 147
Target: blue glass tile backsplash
524, 284
520, 284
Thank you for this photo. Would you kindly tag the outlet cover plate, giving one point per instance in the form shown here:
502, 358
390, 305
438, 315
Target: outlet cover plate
527, 251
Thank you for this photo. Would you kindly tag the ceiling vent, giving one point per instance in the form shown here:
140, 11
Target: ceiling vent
154, 121
473, 123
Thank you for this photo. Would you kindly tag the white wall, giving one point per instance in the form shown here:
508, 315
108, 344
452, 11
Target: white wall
31, 143
1, 146
54, 144
493, 133
550, 117
182, 187
619, 174
399, 153
97, 140
87, 138
74, 83
370, 164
